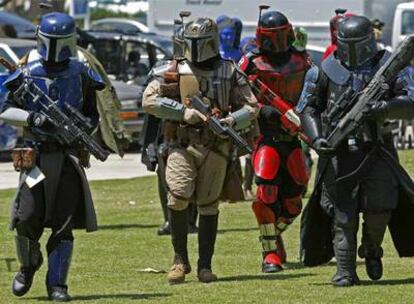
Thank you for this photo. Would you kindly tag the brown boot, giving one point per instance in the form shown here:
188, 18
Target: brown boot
177, 274
206, 276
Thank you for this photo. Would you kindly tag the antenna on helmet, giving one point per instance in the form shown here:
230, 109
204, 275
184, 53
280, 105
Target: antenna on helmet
340, 11
261, 8
184, 14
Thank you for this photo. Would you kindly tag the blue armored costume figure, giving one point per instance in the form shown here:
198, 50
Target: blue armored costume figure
230, 34
59, 197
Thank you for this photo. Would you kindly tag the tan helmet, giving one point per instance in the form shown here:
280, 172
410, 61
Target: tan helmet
201, 40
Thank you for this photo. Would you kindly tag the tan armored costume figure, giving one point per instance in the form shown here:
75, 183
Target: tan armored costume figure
198, 159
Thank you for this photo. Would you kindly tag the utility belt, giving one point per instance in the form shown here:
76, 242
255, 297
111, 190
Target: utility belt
198, 135
24, 159
185, 134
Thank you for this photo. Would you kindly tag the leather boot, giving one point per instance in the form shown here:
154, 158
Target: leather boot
345, 254
206, 240
373, 230
165, 229
179, 231
58, 269
30, 258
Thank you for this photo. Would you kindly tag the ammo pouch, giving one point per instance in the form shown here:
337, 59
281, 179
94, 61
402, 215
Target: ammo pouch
232, 188
24, 159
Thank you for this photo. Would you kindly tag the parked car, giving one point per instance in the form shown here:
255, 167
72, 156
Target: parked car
24, 28
119, 25
127, 59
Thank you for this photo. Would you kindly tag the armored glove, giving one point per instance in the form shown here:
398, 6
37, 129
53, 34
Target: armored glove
192, 116
378, 111
36, 120
322, 146
291, 121
228, 121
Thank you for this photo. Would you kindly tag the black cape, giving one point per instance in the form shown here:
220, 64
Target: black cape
316, 246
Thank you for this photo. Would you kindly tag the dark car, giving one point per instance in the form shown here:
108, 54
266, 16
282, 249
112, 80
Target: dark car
24, 28
127, 59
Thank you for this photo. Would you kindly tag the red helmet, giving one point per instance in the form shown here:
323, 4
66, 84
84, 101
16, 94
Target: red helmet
274, 32
340, 14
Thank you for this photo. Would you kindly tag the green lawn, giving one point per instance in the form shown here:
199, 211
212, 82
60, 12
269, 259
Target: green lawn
106, 264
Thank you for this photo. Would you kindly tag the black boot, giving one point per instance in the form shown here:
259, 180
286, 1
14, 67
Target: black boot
206, 239
345, 254
373, 230
30, 258
58, 268
165, 229
179, 234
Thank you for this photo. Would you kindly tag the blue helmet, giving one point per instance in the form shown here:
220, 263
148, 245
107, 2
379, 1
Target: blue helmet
238, 25
56, 37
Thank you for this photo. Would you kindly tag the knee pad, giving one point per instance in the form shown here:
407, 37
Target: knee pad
263, 213
297, 167
292, 206
266, 162
267, 193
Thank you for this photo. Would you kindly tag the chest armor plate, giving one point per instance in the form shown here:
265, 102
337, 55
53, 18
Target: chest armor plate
286, 80
64, 86
215, 84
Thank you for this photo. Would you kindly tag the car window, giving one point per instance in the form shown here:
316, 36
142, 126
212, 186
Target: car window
117, 27
105, 27
127, 29
407, 23
137, 59
6, 56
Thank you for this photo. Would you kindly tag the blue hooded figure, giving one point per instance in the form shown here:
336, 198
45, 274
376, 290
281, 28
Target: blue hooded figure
228, 37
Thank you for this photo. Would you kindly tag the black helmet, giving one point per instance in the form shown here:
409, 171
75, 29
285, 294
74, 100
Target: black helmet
274, 32
356, 41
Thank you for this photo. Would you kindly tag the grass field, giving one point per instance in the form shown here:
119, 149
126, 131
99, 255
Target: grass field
107, 263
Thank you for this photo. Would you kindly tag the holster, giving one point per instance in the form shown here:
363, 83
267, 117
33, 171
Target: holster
170, 130
24, 159
232, 188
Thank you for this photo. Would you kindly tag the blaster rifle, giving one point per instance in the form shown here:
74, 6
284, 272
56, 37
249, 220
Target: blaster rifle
216, 125
373, 92
72, 126
261, 89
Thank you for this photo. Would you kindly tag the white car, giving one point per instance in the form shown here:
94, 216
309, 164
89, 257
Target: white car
121, 6
119, 25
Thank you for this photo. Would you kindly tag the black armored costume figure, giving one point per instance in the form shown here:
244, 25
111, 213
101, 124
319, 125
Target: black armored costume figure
362, 173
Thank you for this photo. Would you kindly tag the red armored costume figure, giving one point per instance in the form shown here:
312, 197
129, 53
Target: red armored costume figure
276, 71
